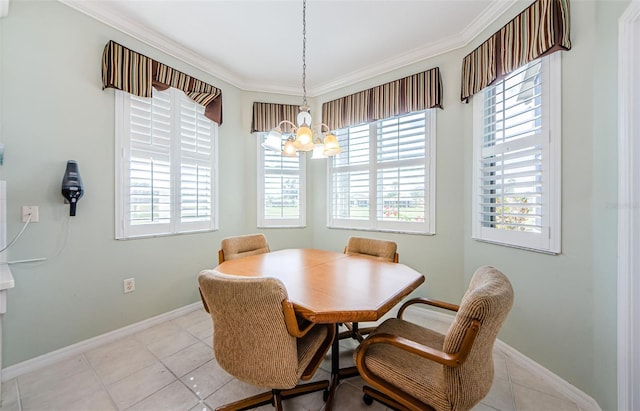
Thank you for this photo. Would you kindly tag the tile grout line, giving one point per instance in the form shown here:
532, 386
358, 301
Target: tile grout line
102, 384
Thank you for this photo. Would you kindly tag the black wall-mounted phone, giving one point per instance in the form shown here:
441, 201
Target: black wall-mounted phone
72, 188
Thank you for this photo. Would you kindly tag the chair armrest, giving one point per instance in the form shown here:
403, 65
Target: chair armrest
220, 256
204, 303
450, 360
427, 301
291, 320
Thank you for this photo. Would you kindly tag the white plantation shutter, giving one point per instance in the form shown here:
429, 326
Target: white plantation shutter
165, 167
281, 188
401, 171
350, 178
516, 184
196, 144
384, 178
150, 161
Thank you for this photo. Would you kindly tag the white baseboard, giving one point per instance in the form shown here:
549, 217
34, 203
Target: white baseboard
584, 401
44, 360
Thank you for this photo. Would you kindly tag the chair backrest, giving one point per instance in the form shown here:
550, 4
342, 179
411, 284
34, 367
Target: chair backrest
488, 300
242, 246
250, 337
370, 247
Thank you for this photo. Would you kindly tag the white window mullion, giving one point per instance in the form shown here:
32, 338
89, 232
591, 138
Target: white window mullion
176, 161
373, 176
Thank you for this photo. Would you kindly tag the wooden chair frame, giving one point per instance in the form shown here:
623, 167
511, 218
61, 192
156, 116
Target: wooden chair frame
389, 394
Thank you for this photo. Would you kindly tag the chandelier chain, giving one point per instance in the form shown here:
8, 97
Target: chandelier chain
304, 52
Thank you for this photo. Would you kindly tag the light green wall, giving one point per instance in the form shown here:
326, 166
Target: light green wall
53, 110
564, 316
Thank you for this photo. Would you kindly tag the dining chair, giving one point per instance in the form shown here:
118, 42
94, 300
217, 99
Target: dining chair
371, 247
242, 246
258, 338
411, 367
238, 247
368, 247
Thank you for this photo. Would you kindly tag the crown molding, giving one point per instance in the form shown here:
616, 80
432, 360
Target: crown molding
96, 10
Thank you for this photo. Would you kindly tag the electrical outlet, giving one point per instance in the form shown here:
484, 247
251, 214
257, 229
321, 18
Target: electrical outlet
30, 210
129, 285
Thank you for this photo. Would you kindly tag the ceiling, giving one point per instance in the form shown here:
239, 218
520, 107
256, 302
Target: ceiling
257, 44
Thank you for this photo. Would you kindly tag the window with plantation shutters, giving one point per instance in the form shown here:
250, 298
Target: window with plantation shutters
517, 157
166, 165
281, 188
384, 179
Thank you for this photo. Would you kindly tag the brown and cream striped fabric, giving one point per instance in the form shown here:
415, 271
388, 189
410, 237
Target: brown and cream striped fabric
134, 73
417, 92
541, 29
479, 68
126, 70
243, 246
371, 247
267, 116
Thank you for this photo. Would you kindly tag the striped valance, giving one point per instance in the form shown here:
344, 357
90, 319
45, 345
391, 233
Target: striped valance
541, 29
413, 93
267, 116
129, 71
479, 67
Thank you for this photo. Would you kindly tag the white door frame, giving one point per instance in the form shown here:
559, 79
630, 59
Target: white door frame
629, 208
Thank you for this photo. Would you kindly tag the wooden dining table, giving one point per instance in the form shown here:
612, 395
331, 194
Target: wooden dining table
332, 288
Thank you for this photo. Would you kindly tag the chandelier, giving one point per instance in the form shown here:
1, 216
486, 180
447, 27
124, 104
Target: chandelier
307, 137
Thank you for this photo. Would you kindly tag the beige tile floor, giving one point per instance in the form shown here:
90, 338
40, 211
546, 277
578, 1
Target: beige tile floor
171, 367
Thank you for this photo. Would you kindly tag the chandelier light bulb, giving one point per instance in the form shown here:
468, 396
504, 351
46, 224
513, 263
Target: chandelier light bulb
331, 146
304, 138
289, 148
274, 140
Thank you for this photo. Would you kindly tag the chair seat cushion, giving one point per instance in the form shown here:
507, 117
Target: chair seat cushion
309, 345
418, 377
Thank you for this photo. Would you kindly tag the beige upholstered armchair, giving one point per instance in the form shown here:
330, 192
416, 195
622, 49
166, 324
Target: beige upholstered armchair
411, 367
242, 246
259, 340
367, 247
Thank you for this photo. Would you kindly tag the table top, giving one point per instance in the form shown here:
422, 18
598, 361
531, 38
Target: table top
330, 287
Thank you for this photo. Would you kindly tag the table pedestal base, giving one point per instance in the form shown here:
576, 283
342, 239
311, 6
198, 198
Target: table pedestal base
337, 373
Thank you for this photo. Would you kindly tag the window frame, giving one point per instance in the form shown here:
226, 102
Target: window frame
373, 223
549, 239
262, 220
123, 229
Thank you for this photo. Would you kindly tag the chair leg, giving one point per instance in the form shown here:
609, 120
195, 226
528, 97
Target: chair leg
277, 400
248, 403
305, 389
274, 397
353, 331
371, 394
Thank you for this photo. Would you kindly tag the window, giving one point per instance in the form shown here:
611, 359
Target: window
281, 188
166, 165
517, 156
384, 179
